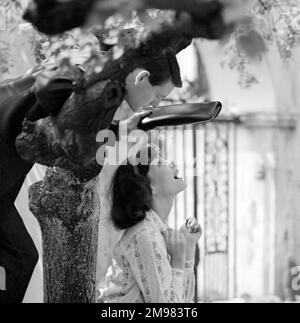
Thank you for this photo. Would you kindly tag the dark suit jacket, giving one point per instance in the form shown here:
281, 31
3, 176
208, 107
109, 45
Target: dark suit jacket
13, 170
17, 101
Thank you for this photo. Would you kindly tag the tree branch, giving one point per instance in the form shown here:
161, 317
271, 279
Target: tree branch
52, 17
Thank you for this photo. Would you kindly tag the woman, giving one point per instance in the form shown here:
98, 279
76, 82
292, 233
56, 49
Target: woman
152, 263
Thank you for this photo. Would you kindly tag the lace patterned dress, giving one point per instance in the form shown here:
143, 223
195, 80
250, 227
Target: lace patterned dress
141, 270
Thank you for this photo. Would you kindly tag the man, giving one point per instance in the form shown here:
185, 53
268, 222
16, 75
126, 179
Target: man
146, 85
18, 255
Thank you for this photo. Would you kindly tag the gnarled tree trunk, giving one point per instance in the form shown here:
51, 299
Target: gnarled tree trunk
68, 212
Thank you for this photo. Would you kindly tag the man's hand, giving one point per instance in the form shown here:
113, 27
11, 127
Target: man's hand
131, 123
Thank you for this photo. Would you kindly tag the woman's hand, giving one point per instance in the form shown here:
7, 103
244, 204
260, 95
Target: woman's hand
176, 247
192, 231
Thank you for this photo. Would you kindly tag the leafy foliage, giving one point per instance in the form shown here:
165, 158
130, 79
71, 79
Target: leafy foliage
269, 22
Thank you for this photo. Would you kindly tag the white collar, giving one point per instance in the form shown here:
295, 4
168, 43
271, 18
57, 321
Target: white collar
155, 218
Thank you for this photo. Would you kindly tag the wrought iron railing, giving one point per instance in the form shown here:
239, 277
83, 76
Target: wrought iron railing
205, 155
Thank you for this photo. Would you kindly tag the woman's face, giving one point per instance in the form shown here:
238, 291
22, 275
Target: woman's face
165, 178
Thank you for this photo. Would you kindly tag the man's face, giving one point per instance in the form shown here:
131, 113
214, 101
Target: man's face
140, 93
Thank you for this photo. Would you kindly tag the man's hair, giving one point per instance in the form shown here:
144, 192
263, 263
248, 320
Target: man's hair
163, 68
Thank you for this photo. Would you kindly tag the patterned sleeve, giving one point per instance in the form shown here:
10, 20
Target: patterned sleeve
159, 283
189, 282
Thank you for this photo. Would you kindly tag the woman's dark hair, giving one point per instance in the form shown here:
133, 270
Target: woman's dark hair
131, 193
